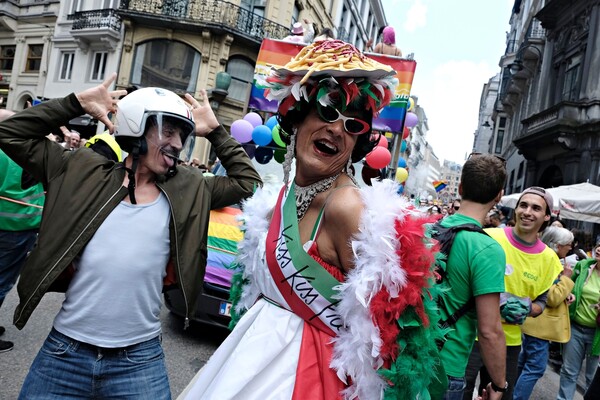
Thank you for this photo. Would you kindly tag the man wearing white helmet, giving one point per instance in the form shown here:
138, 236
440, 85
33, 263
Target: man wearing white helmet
115, 235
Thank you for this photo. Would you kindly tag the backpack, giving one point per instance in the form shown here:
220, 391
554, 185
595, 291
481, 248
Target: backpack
445, 236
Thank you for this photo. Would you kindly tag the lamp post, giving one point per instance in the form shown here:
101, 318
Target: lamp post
217, 95
518, 64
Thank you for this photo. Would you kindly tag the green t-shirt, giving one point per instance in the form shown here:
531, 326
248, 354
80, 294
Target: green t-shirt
475, 267
586, 312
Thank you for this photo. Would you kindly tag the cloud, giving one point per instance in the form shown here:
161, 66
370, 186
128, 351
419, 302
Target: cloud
450, 99
416, 17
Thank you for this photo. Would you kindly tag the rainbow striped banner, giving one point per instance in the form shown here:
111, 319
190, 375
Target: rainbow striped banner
439, 185
276, 53
223, 236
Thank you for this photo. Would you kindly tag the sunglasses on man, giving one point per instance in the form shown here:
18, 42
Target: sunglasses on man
353, 126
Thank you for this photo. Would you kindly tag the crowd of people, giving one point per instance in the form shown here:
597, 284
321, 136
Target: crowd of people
341, 291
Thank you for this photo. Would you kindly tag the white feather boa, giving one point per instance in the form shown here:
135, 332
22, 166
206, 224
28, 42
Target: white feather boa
356, 353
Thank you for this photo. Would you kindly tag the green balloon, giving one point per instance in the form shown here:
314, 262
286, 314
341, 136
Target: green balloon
279, 156
277, 136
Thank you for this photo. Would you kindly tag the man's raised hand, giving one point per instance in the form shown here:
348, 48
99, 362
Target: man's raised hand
99, 101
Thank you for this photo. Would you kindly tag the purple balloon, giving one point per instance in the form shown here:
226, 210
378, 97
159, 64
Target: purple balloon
411, 120
241, 130
254, 119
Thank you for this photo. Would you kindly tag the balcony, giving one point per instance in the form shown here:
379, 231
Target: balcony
216, 14
96, 26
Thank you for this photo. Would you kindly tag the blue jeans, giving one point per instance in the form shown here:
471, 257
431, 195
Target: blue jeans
14, 247
455, 388
578, 348
532, 365
67, 369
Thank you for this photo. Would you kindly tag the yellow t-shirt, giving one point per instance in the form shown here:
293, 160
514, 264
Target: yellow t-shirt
530, 271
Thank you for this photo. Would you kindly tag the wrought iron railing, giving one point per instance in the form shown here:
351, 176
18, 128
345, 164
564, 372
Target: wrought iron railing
535, 30
213, 12
93, 19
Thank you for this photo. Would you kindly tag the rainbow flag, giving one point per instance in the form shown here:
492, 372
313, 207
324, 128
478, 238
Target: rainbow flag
223, 236
439, 185
276, 53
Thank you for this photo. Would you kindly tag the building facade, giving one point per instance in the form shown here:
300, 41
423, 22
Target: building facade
26, 30
546, 120
482, 142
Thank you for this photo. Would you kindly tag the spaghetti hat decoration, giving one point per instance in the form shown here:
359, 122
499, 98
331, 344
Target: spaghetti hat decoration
331, 73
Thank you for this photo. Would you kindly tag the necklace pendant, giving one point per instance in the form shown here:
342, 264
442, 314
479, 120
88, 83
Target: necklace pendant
306, 194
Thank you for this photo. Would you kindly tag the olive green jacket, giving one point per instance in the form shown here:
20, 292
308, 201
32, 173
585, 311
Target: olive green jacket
84, 187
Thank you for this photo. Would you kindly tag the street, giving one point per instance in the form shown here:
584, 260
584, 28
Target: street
185, 351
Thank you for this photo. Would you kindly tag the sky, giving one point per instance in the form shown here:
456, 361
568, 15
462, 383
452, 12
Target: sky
457, 46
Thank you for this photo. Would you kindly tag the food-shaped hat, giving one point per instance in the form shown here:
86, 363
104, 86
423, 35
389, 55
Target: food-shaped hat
335, 72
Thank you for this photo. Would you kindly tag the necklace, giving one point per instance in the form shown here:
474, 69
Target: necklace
306, 194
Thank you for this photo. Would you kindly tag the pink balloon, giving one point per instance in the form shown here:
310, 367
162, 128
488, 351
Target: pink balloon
254, 118
379, 158
411, 120
241, 130
383, 142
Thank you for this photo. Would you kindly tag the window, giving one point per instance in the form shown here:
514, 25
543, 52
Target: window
166, 63
572, 81
295, 14
66, 66
500, 136
75, 6
520, 173
242, 74
511, 181
34, 57
7, 57
98, 67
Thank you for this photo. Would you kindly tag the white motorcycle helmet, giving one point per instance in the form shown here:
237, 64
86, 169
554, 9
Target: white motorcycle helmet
147, 107
153, 105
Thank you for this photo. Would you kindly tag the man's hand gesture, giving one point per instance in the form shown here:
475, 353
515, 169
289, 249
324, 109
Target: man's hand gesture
204, 117
99, 101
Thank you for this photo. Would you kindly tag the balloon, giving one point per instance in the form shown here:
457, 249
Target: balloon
403, 146
254, 118
411, 104
261, 135
400, 189
401, 175
249, 149
369, 173
276, 134
401, 163
279, 156
406, 132
272, 122
380, 157
263, 155
241, 130
411, 120
383, 142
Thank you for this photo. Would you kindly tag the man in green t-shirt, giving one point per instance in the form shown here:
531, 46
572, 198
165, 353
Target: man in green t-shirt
475, 268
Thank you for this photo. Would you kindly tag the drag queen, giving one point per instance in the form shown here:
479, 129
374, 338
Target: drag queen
334, 294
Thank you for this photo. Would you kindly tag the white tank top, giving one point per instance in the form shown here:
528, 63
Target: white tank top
114, 299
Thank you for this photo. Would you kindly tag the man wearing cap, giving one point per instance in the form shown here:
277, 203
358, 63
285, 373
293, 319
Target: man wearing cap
531, 268
299, 34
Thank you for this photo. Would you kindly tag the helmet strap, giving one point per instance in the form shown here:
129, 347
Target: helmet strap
135, 156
